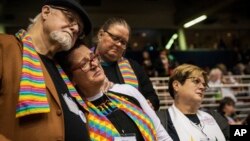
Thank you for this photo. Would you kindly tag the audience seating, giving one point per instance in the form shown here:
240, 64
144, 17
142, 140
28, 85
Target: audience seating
241, 90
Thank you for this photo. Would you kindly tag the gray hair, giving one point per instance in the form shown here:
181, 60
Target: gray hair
33, 21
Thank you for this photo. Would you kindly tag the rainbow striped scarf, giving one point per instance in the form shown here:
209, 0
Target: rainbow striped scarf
101, 128
32, 92
127, 72
71, 88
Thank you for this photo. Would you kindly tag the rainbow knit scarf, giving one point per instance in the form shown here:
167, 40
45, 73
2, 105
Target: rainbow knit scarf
101, 128
127, 72
32, 92
71, 88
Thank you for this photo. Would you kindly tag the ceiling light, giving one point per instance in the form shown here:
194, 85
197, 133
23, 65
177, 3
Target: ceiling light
171, 41
195, 21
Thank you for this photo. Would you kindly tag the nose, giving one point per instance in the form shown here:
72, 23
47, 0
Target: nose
120, 45
74, 27
94, 63
118, 42
202, 86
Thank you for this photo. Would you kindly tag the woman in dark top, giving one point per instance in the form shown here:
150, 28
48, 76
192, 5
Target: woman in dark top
111, 43
121, 113
227, 109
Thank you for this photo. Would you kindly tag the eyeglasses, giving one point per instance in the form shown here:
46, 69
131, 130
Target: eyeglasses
71, 18
198, 81
118, 39
86, 64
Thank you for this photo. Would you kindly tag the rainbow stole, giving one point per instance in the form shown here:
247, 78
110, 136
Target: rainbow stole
100, 128
127, 72
71, 88
32, 91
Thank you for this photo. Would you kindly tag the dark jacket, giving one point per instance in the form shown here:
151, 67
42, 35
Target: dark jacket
145, 86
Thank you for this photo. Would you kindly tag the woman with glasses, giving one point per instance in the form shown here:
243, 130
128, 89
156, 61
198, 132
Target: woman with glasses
111, 43
185, 122
122, 113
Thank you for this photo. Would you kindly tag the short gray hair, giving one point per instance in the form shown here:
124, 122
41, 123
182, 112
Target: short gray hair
33, 21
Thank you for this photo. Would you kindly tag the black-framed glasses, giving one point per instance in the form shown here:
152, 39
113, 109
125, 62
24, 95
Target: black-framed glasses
197, 81
86, 63
117, 39
71, 18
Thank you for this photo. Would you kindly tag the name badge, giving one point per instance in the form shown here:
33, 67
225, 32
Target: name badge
207, 139
126, 137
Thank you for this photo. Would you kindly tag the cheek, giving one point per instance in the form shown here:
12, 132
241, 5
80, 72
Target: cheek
228, 109
79, 79
232, 109
189, 91
102, 76
56, 24
103, 47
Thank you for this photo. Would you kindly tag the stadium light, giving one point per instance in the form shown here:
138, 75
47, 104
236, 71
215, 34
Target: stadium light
171, 41
195, 21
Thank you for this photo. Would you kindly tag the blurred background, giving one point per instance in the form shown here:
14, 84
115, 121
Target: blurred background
225, 31
159, 40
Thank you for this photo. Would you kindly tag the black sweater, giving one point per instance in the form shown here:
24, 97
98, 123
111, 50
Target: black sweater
145, 86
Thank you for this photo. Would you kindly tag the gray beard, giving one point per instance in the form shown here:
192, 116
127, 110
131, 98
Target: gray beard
64, 40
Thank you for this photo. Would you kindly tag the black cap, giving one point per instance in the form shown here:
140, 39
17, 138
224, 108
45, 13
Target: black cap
75, 6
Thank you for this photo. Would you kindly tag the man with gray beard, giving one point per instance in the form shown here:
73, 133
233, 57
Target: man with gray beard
64, 40
37, 100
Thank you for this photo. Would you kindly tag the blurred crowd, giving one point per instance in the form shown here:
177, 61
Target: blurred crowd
161, 64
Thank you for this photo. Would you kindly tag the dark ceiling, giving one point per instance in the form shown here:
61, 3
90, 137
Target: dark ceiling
221, 14
161, 14
152, 21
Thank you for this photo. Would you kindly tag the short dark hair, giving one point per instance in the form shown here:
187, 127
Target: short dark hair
64, 62
225, 101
